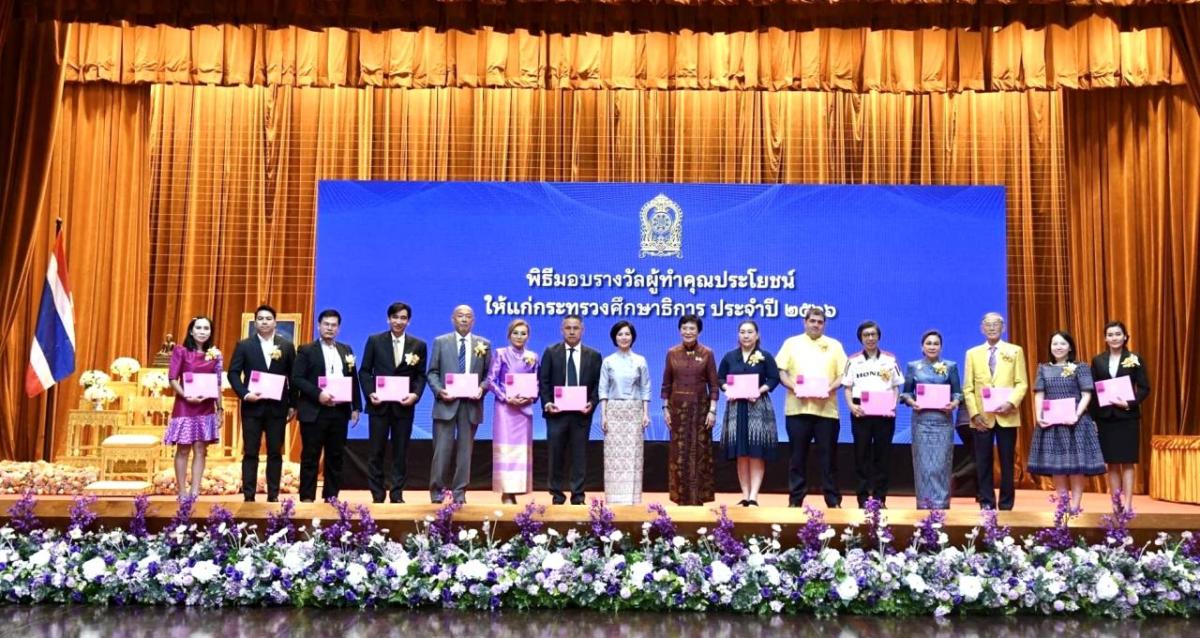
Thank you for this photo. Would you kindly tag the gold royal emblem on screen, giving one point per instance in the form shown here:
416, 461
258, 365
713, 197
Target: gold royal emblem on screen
662, 228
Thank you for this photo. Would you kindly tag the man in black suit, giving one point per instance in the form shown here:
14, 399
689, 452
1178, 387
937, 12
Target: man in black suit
392, 354
264, 352
322, 419
566, 364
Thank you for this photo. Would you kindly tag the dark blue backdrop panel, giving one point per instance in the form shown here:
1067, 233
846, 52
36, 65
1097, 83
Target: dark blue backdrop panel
909, 257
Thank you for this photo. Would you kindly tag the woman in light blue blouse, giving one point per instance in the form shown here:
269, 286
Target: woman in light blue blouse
932, 429
624, 415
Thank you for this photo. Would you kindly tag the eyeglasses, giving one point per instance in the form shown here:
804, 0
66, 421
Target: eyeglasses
993, 324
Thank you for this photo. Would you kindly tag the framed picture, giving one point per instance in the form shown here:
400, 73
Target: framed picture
287, 325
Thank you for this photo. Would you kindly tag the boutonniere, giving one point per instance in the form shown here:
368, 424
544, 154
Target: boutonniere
1007, 356
529, 358
411, 359
1131, 361
824, 347
1068, 370
885, 374
276, 353
755, 358
480, 349
211, 353
941, 368
350, 360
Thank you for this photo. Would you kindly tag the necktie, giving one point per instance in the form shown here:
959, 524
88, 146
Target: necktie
397, 351
992, 359
462, 354
572, 377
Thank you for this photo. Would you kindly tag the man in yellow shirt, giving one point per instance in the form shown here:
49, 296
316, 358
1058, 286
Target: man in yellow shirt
995, 364
819, 358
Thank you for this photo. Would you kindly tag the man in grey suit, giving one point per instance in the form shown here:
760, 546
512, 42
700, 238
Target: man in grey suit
455, 420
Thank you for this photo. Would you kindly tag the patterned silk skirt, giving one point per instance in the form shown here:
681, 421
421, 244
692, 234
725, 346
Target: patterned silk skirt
623, 452
512, 450
932, 452
1065, 449
690, 461
749, 429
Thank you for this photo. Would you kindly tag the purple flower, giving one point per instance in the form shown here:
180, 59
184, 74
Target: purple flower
442, 527
811, 532
367, 527
1190, 546
602, 518
1116, 525
526, 524
728, 544
1059, 536
21, 513
183, 515
137, 525
335, 532
217, 517
926, 537
82, 516
993, 533
662, 524
877, 533
282, 520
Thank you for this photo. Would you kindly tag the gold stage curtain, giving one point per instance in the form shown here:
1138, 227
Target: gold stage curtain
1095, 51
32, 81
1134, 202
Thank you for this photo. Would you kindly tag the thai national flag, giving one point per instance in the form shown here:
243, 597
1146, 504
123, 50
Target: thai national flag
52, 356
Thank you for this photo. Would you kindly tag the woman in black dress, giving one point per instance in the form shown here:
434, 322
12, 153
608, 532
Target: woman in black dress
1118, 423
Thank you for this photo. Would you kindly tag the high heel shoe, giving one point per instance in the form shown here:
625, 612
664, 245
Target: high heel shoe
508, 499
744, 503
752, 503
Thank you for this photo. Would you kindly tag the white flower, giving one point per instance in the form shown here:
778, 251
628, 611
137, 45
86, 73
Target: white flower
614, 562
847, 588
40, 559
1055, 587
776, 606
776, 528
969, 586
679, 541
245, 566
616, 536
205, 571
355, 573
721, 573
755, 560
75, 533
295, 560
661, 575
553, 561
638, 571
916, 583
94, 568
625, 593
830, 557
772, 575
572, 535
400, 564
540, 539
1106, 587
473, 569
827, 534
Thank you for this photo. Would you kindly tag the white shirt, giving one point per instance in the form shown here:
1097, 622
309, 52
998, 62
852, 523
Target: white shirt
458, 339
868, 374
333, 360
1114, 364
268, 346
578, 355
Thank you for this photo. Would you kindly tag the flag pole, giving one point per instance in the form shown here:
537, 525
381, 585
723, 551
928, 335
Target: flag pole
52, 393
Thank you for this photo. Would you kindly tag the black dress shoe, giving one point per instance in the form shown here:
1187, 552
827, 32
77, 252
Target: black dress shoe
577, 501
396, 499
248, 499
744, 502
307, 500
752, 503
376, 500
272, 499
559, 501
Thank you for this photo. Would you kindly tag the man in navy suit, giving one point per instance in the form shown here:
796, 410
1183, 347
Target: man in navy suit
392, 353
323, 420
264, 352
569, 363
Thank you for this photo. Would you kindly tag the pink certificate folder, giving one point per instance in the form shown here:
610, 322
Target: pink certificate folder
570, 398
266, 385
993, 398
391, 388
337, 387
878, 403
1058, 411
812, 387
462, 385
1109, 391
203, 385
933, 396
741, 386
522, 385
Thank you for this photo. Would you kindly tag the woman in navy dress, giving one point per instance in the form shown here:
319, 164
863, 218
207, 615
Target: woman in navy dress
1067, 452
1118, 422
749, 432
932, 429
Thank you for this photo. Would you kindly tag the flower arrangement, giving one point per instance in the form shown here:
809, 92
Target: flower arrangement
349, 562
124, 367
155, 382
226, 479
90, 378
99, 395
40, 477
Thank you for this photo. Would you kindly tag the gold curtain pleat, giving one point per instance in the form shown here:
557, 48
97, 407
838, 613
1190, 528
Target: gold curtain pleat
1095, 51
1134, 209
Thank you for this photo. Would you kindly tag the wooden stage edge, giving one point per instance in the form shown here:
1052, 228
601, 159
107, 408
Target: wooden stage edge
1033, 512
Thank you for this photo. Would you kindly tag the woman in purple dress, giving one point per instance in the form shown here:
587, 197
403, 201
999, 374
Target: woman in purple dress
195, 422
512, 419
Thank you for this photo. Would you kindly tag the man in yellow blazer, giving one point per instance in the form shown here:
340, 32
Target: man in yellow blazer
995, 364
